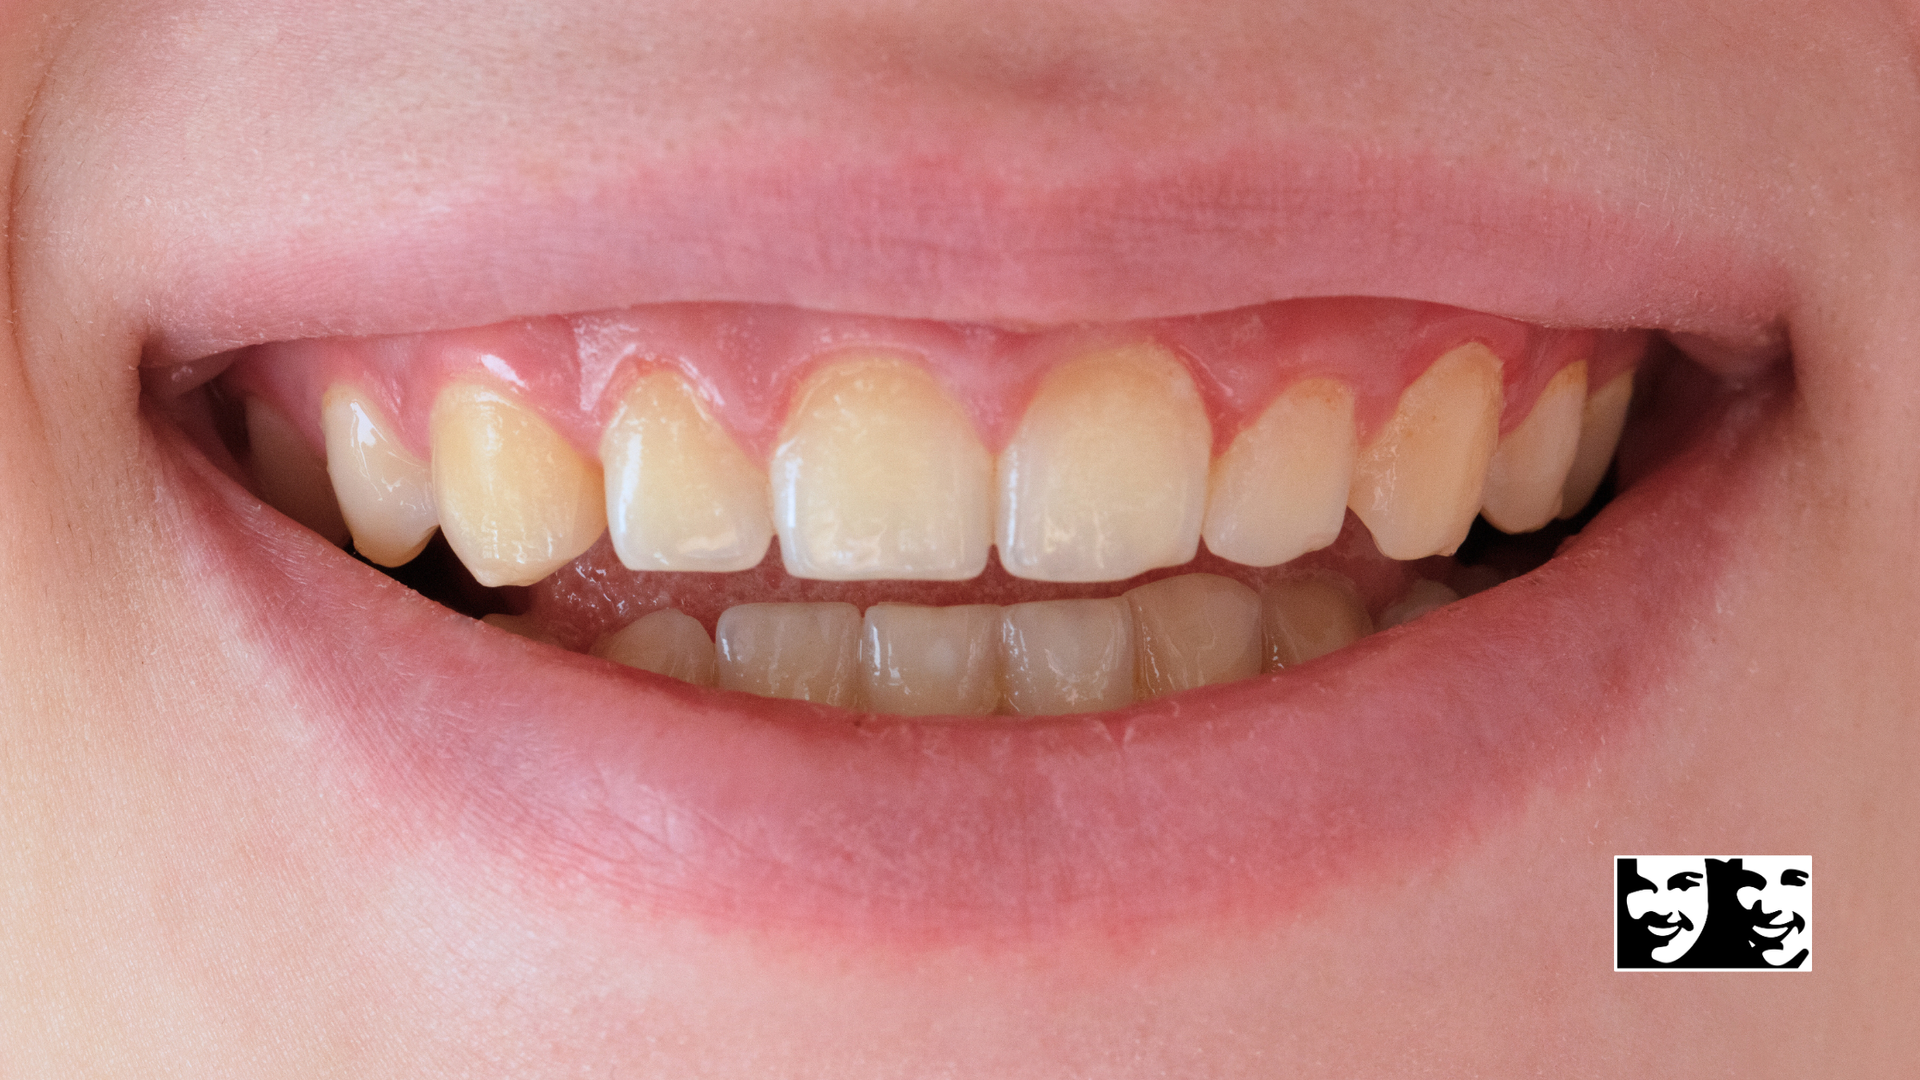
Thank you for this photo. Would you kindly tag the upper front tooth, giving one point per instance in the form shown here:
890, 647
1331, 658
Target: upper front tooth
680, 493
932, 661
1280, 490
516, 501
809, 652
385, 493
1067, 656
1529, 470
1600, 423
879, 475
1417, 484
292, 478
666, 642
1193, 630
1106, 475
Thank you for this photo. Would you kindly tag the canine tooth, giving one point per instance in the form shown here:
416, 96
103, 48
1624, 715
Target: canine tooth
1421, 597
1308, 616
1067, 656
1106, 475
385, 493
680, 493
1600, 423
1529, 468
931, 661
1193, 630
292, 478
516, 502
1417, 484
1280, 490
520, 626
879, 475
809, 652
666, 642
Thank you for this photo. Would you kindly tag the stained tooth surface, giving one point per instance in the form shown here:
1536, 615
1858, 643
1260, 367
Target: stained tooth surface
1600, 423
1528, 472
681, 495
1280, 490
931, 661
1106, 475
1417, 483
666, 642
879, 474
809, 652
385, 493
1306, 617
1421, 597
515, 500
1193, 630
1067, 656
292, 478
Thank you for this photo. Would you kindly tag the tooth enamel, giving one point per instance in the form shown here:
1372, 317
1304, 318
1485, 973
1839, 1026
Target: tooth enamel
808, 652
1308, 616
385, 493
1421, 597
1193, 630
1106, 475
1600, 423
680, 493
1417, 484
879, 475
1280, 490
515, 500
520, 626
1529, 469
666, 642
931, 661
292, 478
1067, 656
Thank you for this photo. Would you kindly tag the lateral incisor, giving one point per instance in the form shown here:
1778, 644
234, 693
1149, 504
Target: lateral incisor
1417, 483
1280, 490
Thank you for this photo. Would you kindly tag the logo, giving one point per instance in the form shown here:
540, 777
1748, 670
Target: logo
1713, 913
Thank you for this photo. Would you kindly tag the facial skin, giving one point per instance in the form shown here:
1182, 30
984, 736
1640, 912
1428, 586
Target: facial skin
1781, 908
1676, 907
209, 866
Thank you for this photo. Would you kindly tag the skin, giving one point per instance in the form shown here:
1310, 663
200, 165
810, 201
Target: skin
185, 894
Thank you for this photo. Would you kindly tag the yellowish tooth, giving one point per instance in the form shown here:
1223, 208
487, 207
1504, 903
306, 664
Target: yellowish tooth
292, 478
680, 493
1417, 484
515, 500
879, 474
1600, 423
1193, 630
666, 642
1280, 490
385, 493
1421, 597
1067, 656
1529, 469
808, 652
932, 661
1106, 475
1308, 616
520, 626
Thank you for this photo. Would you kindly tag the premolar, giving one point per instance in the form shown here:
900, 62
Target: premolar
1421, 597
1193, 630
1418, 482
1528, 473
932, 661
808, 652
1280, 490
291, 476
385, 493
1067, 656
666, 642
1307, 616
1600, 423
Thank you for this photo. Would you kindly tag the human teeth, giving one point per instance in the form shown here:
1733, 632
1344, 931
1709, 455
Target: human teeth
1106, 475
385, 493
809, 652
292, 478
879, 475
1067, 656
1421, 597
516, 502
680, 493
1417, 484
931, 661
666, 642
520, 626
1308, 616
1193, 630
1600, 423
1528, 472
1280, 490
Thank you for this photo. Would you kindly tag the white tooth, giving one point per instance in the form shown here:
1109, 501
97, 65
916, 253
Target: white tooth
680, 493
1529, 469
292, 477
386, 494
1421, 597
515, 500
1600, 423
1106, 475
1067, 656
879, 475
521, 626
932, 661
1280, 490
1308, 616
1417, 484
809, 652
666, 642
1193, 630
